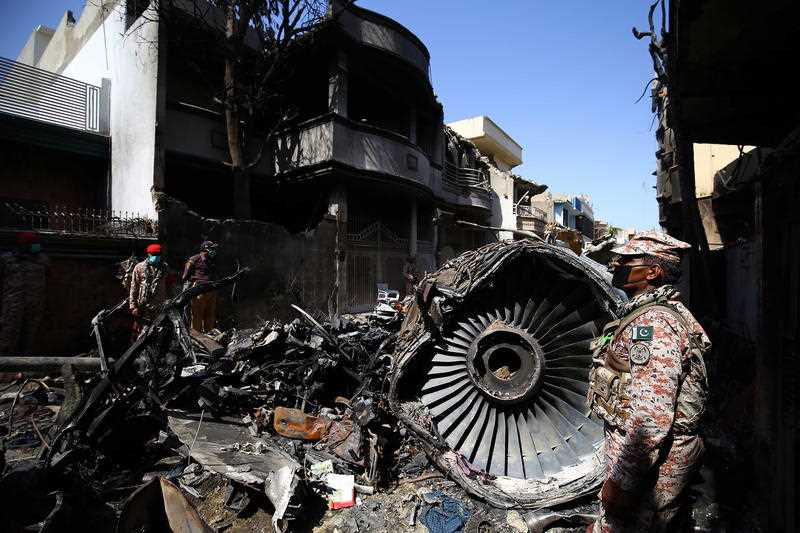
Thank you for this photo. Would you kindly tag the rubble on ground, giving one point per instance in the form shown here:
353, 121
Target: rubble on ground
309, 424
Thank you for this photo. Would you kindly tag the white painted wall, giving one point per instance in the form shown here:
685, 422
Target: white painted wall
92, 62
503, 211
134, 72
490, 139
36, 45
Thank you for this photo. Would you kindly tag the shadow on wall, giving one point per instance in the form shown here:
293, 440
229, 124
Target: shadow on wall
496, 218
286, 268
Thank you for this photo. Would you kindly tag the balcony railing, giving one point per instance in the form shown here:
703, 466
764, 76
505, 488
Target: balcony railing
466, 177
76, 221
522, 210
41, 95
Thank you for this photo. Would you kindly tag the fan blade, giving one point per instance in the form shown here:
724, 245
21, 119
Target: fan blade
436, 383
445, 359
434, 397
514, 458
533, 469
472, 441
440, 405
498, 466
486, 439
450, 421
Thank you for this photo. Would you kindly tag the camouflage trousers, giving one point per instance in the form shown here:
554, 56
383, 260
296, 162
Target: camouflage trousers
662, 492
148, 314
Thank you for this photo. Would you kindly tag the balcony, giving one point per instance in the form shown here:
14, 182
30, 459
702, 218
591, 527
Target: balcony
530, 218
528, 211
372, 29
358, 146
319, 144
43, 96
465, 177
467, 187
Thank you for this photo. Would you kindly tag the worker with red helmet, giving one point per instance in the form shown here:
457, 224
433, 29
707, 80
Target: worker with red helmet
148, 290
23, 292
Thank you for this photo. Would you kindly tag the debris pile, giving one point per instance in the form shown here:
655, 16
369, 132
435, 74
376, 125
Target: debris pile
281, 409
348, 418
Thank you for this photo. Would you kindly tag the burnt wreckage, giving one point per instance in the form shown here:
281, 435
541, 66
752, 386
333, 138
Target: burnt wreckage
487, 376
492, 368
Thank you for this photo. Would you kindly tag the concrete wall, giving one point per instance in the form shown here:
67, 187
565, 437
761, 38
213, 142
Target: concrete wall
503, 209
710, 159
491, 140
35, 46
134, 95
286, 268
313, 145
373, 30
78, 288
743, 288
586, 206
196, 135
544, 201
371, 151
92, 61
72, 38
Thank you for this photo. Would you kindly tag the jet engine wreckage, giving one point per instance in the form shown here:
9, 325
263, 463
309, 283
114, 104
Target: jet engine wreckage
492, 369
487, 375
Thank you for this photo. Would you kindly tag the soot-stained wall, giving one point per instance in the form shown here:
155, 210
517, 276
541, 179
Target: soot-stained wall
286, 268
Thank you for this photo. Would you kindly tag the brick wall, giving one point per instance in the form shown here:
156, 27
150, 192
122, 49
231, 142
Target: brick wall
81, 282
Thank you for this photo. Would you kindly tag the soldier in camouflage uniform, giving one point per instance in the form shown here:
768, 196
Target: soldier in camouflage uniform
148, 290
648, 383
23, 292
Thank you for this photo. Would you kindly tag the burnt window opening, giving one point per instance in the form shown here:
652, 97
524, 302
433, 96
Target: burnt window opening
373, 105
307, 93
205, 187
425, 216
426, 134
297, 207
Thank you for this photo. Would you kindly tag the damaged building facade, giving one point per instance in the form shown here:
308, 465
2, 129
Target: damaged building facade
727, 171
360, 180
512, 208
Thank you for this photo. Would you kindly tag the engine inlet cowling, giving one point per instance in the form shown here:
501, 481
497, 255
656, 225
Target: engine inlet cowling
498, 354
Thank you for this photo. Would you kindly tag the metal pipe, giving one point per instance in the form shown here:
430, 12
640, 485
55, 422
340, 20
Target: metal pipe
48, 364
521, 233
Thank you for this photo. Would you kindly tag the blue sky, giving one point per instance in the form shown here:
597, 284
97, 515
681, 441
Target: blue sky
561, 77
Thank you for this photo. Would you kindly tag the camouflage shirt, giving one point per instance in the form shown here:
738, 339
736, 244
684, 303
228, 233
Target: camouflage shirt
664, 387
148, 286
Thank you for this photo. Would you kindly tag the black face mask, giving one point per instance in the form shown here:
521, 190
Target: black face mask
620, 277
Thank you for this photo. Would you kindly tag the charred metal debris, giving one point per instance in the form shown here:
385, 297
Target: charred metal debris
484, 380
